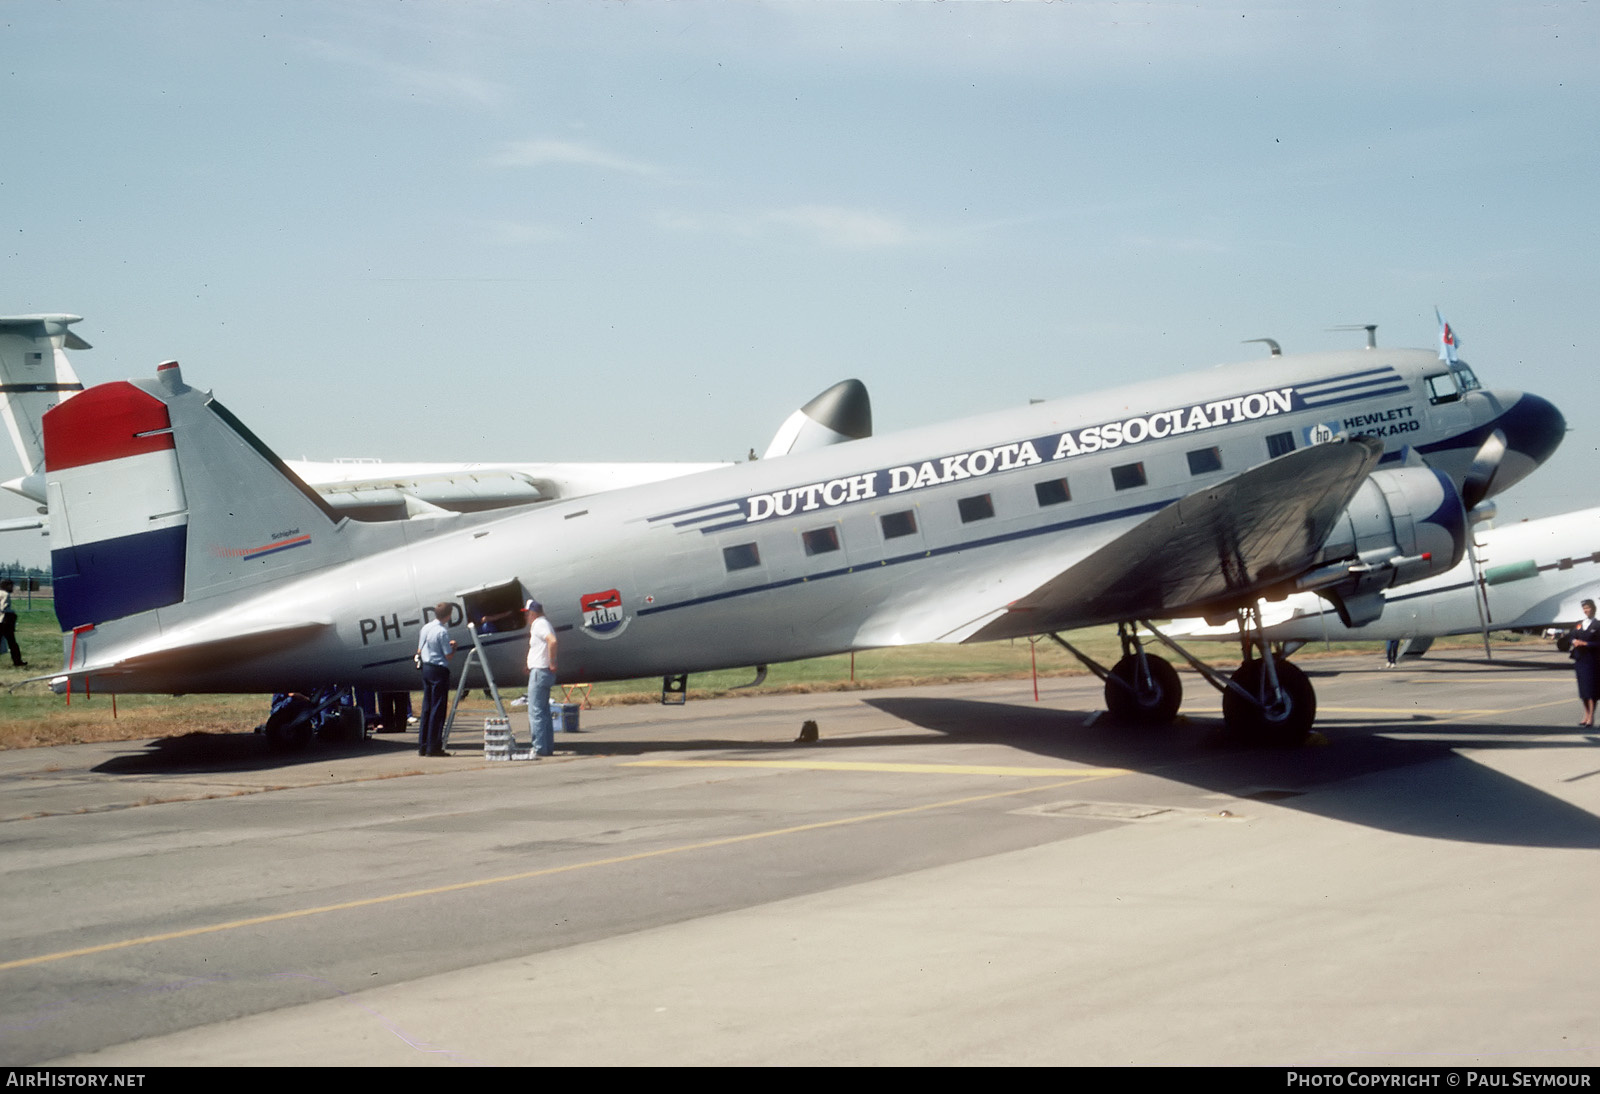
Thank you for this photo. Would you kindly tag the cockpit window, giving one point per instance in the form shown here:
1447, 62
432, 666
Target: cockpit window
1442, 388
1465, 379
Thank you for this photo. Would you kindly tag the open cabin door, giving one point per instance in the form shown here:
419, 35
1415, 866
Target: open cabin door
491, 609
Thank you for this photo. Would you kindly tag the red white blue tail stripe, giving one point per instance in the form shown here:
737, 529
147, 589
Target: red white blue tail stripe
118, 518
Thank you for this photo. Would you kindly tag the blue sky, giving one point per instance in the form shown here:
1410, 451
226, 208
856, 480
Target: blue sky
649, 230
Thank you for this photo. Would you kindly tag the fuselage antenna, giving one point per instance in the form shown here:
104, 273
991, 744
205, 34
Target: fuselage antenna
1370, 328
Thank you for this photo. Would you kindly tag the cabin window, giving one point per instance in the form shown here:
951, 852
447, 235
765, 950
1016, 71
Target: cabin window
1052, 491
741, 557
1203, 461
1128, 476
980, 507
1442, 389
819, 541
1279, 444
895, 525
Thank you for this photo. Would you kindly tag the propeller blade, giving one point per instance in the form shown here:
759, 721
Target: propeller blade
1485, 465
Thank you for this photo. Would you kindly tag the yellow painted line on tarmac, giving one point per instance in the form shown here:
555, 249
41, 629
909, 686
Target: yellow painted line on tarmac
1453, 712
1435, 712
549, 871
896, 768
1530, 706
1471, 712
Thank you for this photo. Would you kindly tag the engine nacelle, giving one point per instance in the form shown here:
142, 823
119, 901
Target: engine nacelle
1403, 525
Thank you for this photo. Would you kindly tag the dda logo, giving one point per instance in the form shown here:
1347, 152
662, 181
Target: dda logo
1323, 432
602, 612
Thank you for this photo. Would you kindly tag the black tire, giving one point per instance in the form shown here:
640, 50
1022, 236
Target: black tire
1154, 704
1281, 725
289, 728
347, 726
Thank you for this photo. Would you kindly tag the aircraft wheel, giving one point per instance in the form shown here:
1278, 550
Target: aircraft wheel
1283, 723
289, 729
1155, 703
348, 726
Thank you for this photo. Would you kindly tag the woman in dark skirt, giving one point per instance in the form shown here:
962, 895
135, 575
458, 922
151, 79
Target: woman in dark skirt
1586, 661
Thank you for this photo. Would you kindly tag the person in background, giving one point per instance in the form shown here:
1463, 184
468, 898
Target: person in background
8, 624
1585, 660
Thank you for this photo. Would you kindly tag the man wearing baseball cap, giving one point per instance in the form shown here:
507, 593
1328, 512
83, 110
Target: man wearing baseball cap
541, 677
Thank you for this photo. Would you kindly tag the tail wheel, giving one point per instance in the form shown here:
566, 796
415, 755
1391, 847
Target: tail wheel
1280, 720
348, 726
289, 729
1137, 698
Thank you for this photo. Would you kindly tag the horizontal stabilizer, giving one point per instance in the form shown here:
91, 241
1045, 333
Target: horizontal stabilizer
191, 653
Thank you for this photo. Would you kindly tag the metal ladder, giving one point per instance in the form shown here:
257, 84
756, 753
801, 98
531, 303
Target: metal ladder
475, 656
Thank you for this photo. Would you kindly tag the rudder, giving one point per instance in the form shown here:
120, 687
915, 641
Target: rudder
158, 496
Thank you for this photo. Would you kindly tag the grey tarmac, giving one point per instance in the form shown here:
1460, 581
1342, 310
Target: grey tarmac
953, 874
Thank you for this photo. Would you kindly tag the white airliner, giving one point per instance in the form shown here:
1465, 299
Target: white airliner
1197, 495
1527, 576
35, 375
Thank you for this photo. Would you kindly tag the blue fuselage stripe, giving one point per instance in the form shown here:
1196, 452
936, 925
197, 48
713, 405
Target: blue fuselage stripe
930, 552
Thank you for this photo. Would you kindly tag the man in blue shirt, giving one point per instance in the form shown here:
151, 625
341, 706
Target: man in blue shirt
434, 648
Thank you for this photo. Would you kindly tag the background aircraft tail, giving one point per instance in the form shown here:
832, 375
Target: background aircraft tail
34, 376
159, 496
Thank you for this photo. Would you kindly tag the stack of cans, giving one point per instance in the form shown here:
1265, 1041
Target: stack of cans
499, 744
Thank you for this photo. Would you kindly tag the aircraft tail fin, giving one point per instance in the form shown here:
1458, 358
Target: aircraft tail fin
158, 496
841, 413
35, 376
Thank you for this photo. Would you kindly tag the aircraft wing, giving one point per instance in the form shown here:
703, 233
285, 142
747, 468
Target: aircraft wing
1209, 550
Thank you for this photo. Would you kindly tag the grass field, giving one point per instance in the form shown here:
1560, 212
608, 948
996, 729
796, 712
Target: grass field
32, 716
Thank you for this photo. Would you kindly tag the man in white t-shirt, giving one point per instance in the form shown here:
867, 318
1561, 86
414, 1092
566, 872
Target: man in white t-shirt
541, 678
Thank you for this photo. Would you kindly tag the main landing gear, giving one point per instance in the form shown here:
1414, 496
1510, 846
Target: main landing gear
1266, 701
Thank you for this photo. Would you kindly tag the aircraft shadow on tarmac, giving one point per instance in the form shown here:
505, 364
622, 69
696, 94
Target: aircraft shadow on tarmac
1431, 791
1424, 787
197, 753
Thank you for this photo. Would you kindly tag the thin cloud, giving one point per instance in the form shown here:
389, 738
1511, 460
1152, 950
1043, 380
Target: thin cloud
428, 84
1191, 244
848, 229
544, 153
832, 226
517, 233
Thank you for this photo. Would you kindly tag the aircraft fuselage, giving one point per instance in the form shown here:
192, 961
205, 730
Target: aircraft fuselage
861, 544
